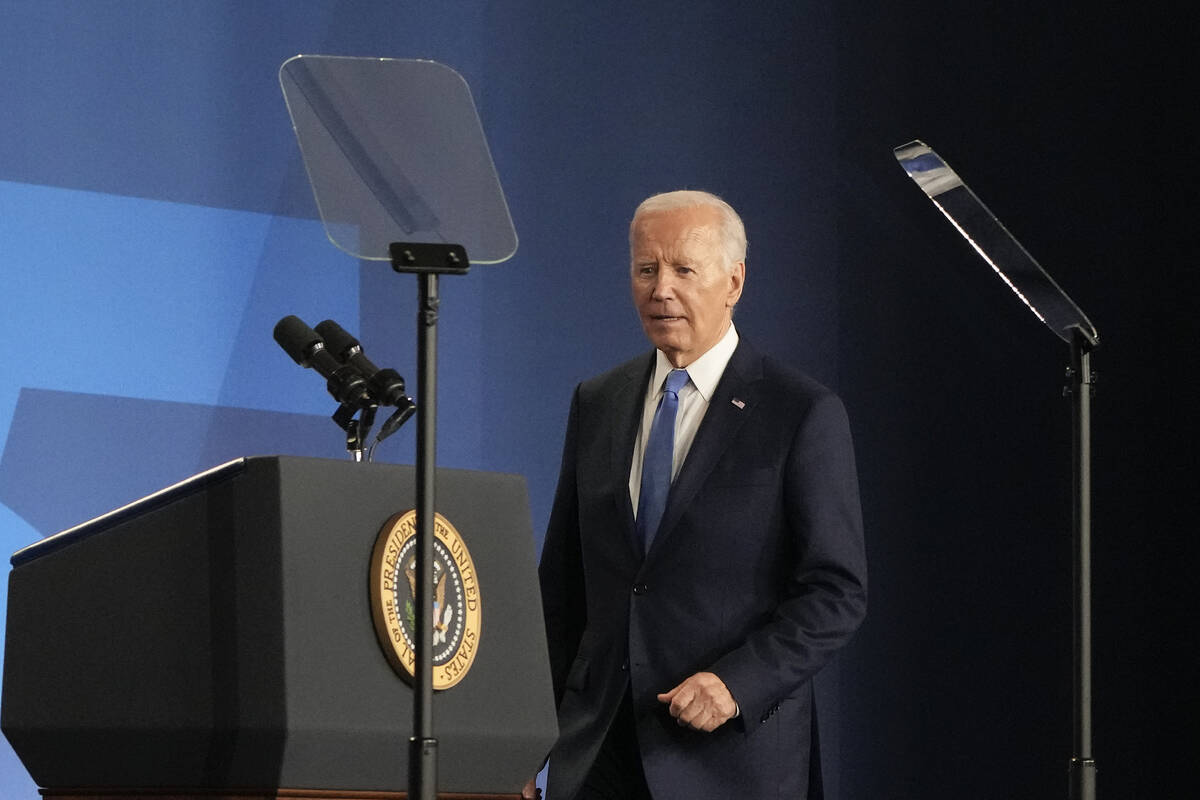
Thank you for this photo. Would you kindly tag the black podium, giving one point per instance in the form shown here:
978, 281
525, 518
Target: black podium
216, 640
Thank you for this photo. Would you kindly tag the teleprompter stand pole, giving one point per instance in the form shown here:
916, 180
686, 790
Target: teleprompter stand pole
427, 262
1079, 386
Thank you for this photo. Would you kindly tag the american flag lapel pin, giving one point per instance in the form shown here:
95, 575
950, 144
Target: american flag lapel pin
739, 402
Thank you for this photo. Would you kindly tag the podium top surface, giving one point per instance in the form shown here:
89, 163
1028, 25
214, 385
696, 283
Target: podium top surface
162, 497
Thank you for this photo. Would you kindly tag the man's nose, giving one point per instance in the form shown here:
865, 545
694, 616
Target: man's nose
664, 286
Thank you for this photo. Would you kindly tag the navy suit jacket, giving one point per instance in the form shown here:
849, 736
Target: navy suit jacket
757, 574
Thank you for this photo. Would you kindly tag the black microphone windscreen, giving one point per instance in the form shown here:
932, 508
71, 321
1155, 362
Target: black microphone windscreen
296, 338
337, 340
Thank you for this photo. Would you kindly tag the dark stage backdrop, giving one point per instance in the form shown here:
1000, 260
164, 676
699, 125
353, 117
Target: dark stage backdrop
155, 222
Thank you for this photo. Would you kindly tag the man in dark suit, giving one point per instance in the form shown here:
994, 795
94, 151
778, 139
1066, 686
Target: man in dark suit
704, 557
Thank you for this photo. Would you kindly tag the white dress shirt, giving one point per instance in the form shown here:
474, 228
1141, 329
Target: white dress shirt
703, 375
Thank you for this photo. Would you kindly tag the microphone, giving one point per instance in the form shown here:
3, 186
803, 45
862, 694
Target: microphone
387, 385
307, 349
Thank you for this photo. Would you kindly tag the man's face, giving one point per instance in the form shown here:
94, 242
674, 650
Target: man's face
680, 288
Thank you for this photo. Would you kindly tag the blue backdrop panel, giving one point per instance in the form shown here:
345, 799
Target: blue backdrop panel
179, 100
147, 298
123, 448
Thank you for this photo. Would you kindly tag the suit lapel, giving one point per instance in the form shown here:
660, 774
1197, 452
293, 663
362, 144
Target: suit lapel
625, 416
732, 402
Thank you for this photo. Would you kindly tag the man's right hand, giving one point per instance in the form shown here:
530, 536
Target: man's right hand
702, 702
530, 791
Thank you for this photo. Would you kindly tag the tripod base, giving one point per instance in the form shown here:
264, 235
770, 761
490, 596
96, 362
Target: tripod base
1083, 779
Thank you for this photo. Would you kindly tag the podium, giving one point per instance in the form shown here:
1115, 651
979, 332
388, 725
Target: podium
216, 640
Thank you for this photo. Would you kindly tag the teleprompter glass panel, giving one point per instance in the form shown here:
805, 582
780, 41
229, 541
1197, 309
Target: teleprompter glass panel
395, 153
999, 248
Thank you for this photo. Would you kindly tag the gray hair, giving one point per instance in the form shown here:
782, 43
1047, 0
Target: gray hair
731, 231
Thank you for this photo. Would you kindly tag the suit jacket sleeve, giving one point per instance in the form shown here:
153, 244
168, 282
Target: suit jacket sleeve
823, 593
560, 571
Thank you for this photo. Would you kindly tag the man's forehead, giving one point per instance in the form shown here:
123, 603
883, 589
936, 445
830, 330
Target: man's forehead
679, 227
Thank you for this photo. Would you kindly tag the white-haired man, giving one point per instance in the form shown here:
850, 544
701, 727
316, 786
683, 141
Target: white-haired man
704, 557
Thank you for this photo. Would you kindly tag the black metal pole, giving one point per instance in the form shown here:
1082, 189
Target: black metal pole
426, 261
1083, 766
422, 752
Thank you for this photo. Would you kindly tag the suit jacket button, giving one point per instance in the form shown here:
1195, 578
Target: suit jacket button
625, 665
640, 588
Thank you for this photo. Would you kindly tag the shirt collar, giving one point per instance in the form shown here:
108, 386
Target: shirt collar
705, 372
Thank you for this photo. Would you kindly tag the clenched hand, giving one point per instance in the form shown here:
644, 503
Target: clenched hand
702, 702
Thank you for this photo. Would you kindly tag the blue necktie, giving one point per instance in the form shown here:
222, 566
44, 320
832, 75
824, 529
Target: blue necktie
657, 460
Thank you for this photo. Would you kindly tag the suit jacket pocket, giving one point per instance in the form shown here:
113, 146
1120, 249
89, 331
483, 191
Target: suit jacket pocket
577, 678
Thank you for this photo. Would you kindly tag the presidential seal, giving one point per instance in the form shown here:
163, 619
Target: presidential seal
456, 603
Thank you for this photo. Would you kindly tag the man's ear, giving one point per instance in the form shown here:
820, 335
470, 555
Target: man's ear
737, 278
